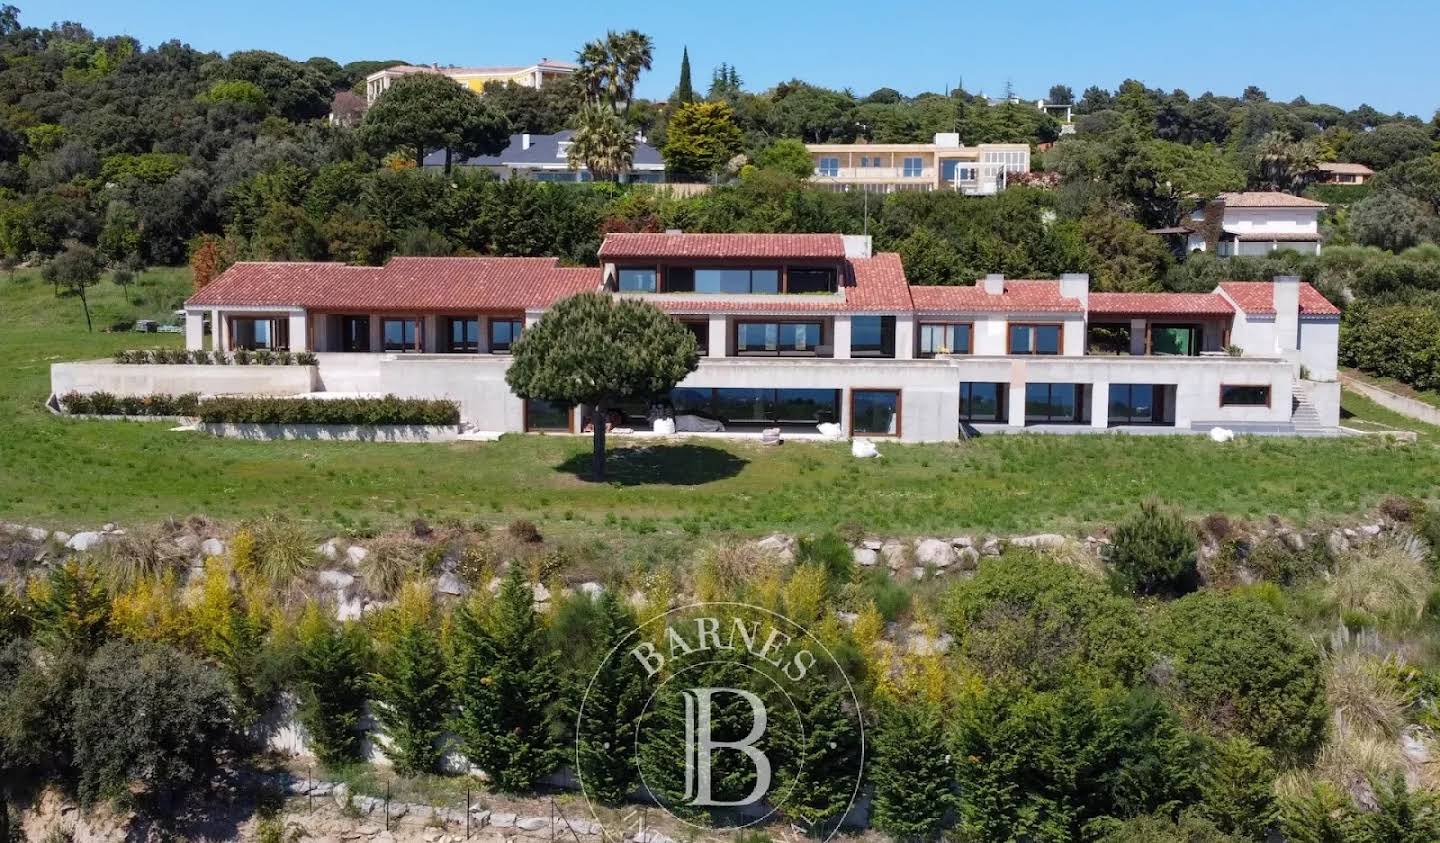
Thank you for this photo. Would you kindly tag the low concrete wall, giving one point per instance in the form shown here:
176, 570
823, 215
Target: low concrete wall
336, 432
1410, 407
165, 379
1325, 398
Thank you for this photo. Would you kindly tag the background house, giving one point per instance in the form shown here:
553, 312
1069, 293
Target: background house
945, 164
546, 158
1249, 223
1339, 172
536, 75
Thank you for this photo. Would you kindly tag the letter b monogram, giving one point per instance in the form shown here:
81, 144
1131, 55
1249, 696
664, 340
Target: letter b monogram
700, 746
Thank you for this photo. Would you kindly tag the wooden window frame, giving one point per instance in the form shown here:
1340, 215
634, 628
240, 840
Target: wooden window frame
1059, 340
1002, 401
279, 328
920, 329
345, 320
490, 333
419, 334
899, 410
1269, 394
1083, 395
735, 337
525, 420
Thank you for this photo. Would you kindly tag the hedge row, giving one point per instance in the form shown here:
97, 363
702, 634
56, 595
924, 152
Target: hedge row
358, 411
1395, 341
179, 356
106, 404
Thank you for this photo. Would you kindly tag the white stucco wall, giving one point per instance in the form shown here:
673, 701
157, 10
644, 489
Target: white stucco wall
1320, 347
1272, 220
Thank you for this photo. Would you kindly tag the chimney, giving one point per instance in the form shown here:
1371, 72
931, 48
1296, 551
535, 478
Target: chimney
674, 231
856, 245
1287, 312
1076, 285
994, 284
525, 141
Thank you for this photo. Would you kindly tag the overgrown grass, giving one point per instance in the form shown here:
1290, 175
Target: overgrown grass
69, 473
1427, 396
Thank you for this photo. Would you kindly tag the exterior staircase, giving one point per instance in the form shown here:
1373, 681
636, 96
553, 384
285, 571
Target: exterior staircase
1303, 415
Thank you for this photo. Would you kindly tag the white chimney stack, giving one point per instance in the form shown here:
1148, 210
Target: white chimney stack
525, 140
994, 284
1287, 312
1076, 285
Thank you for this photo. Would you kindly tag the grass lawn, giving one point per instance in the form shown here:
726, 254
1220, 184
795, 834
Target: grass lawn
1427, 396
70, 474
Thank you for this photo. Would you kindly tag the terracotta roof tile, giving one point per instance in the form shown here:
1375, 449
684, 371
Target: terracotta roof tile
402, 284
878, 283
1257, 298
1157, 304
1268, 199
622, 246
1020, 296
1344, 167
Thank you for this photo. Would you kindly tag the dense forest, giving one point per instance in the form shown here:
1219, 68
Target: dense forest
150, 155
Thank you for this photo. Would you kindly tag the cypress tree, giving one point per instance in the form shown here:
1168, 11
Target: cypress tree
411, 695
506, 685
332, 687
914, 796
823, 759
684, 92
613, 702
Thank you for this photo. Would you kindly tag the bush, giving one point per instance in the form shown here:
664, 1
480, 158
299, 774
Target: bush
1029, 618
1235, 666
1153, 551
340, 411
283, 550
332, 686
389, 563
198, 357
146, 715
524, 531
140, 555
105, 404
830, 552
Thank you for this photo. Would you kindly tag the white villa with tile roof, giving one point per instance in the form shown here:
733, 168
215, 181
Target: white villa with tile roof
1255, 223
794, 330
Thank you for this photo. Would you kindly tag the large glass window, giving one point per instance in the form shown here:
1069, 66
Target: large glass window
982, 402
1134, 403
701, 332
828, 167
778, 338
874, 412
635, 279
872, 336
400, 334
546, 415
1034, 339
758, 406
355, 333
504, 333
1055, 403
1233, 395
809, 280
464, 336
1183, 340
254, 334
945, 338
737, 281
913, 168
1107, 339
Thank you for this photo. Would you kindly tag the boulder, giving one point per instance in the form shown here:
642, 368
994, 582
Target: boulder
991, 547
917, 573
532, 823
967, 558
481, 815
778, 545
85, 541
1039, 540
108, 528
1295, 541
351, 609
894, 554
60, 537
340, 793
212, 547
356, 554
864, 556
188, 544
333, 579
542, 594
592, 589
450, 584
1337, 543
872, 544
963, 541
934, 552
1371, 530
502, 820
329, 550
926, 645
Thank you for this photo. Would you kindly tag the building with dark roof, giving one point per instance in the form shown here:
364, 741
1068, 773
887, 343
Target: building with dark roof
546, 158
794, 330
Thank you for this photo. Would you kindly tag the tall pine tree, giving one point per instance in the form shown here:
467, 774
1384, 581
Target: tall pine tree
332, 687
684, 92
613, 701
410, 691
914, 791
506, 686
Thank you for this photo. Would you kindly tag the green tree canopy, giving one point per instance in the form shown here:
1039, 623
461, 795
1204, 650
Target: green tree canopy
425, 111
701, 138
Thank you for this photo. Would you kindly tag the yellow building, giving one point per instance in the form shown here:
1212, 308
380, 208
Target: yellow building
945, 164
474, 78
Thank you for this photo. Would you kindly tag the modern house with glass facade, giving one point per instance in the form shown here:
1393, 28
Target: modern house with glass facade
945, 164
794, 330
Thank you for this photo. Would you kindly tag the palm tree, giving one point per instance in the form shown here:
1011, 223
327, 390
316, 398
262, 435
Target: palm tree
611, 67
632, 52
602, 143
594, 61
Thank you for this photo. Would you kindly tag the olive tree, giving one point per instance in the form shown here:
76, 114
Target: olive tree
75, 270
592, 351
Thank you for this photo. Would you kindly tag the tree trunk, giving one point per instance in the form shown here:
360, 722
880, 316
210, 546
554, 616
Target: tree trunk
447, 162
597, 459
85, 303
419, 156
4, 817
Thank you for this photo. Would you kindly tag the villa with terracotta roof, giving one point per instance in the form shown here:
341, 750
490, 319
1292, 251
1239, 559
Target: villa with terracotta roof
794, 330
1249, 223
536, 75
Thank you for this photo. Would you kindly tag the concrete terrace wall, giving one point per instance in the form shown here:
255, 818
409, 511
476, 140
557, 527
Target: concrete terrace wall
336, 432
148, 379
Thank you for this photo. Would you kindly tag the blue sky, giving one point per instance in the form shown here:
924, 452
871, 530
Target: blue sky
1339, 52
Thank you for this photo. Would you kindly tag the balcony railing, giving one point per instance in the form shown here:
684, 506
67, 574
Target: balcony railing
876, 174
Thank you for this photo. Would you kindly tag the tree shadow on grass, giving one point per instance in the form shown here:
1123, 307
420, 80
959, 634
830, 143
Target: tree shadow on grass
664, 465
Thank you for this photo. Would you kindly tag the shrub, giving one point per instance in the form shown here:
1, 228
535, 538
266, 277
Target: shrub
140, 555
103, 403
1275, 560
389, 563
1388, 581
340, 411
1237, 790
146, 715
306, 358
524, 531
1153, 551
410, 692
830, 552
283, 550
1404, 510
914, 796
1234, 665
476, 564
331, 679
1038, 621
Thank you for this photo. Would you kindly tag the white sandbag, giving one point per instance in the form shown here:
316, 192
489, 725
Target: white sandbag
830, 430
664, 427
697, 424
1221, 434
863, 449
